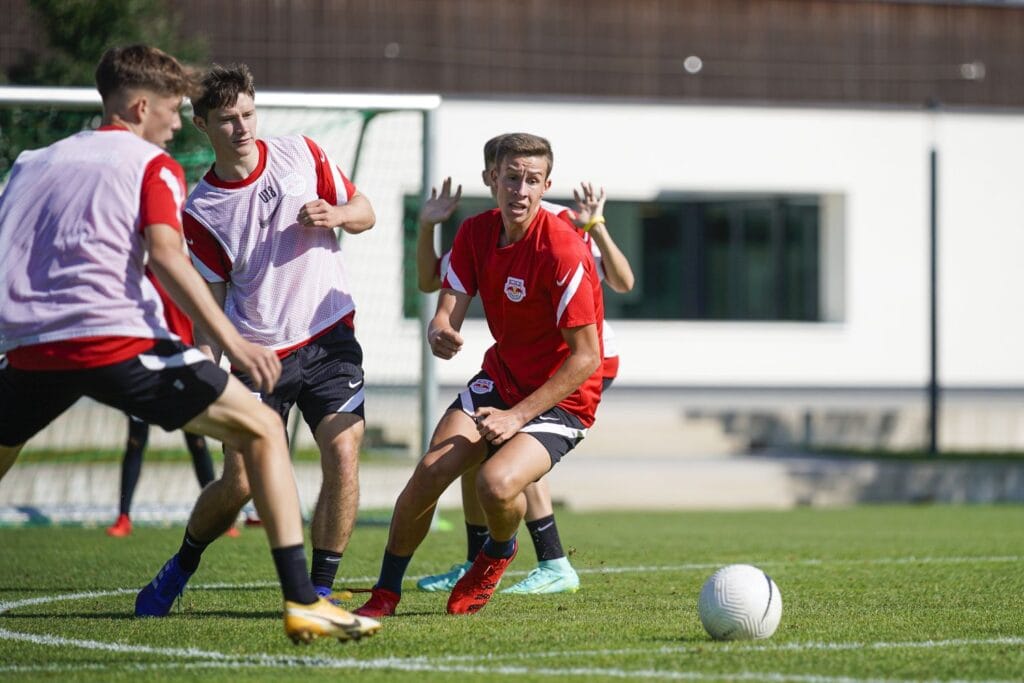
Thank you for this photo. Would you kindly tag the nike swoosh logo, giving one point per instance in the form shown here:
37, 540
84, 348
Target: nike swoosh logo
562, 281
353, 385
547, 419
188, 241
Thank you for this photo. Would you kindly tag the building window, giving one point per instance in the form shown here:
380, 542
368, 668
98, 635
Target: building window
728, 258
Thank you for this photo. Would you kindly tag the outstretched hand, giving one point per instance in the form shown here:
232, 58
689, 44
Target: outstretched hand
440, 207
588, 203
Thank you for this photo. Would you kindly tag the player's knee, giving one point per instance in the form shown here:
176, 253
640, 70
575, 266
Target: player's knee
496, 491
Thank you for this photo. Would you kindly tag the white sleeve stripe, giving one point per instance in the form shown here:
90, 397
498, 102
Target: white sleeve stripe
454, 280
171, 181
340, 192
207, 274
570, 292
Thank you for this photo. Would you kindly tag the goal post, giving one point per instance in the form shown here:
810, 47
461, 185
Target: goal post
385, 143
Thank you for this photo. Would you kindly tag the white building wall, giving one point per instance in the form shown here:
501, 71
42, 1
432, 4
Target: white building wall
875, 161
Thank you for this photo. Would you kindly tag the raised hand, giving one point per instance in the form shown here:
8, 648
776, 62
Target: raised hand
588, 203
440, 207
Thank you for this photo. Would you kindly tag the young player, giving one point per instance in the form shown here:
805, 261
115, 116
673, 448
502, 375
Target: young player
553, 573
138, 430
78, 316
540, 384
259, 226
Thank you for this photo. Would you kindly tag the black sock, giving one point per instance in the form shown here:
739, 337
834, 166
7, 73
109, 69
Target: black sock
325, 567
131, 466
291, 570
499, 549
190, 552
202, 463
392, 571
546, 541
475, 537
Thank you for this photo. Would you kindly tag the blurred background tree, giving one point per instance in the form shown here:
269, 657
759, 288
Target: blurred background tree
76, 33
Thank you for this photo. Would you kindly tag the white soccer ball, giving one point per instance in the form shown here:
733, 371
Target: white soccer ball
740, 602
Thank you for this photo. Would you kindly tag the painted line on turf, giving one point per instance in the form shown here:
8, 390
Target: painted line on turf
213, 658
577, 671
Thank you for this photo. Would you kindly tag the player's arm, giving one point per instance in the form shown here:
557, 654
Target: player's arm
205, 342
443, 331
437, 209
590, 212
172, 267
355, 216
498, 426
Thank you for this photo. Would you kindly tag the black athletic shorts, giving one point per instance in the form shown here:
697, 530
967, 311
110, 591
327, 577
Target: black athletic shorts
168, 385
323, 377
558, 430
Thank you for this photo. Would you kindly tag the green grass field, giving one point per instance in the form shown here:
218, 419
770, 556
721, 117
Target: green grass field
890, 593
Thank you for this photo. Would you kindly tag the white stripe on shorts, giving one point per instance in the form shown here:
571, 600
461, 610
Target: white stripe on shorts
352, 403
467, 402
187, 357
554, 428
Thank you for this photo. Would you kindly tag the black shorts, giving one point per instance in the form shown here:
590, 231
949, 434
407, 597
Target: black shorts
323, 377
168, 386
558, 430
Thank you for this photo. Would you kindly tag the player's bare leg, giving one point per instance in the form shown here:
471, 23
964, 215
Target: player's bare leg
455, 447
502, 480
476, 535
339, 437
221, 500
500, 484
251, 428
254, 430
553, 573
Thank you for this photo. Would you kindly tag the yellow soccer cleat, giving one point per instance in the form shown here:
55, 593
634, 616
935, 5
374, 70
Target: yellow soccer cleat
306, 623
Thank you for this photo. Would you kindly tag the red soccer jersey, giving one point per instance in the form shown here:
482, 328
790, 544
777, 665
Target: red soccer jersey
530, 290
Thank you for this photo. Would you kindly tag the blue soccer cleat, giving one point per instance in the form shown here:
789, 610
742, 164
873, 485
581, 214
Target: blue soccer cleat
550, 576
157, 598
443, 583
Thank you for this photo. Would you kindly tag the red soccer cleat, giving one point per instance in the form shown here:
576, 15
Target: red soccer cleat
382, 603
122, 527
474, 589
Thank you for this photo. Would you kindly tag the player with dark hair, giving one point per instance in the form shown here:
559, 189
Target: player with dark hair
260, 229
553, 573
540, 384
78, 317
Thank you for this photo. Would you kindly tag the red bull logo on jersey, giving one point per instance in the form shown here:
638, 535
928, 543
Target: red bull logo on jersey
481, 386
515, 289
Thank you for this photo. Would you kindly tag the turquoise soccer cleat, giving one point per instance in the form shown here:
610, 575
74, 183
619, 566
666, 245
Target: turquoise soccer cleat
550, 576
443, 583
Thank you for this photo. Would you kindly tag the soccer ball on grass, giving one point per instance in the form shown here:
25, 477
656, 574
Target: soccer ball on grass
740, 602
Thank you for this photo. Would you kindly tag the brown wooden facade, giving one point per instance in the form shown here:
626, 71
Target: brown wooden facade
776, 51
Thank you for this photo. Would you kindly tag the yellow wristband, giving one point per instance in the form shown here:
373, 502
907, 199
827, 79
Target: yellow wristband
592, 222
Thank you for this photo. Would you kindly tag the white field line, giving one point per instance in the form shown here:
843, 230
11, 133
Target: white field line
479, 664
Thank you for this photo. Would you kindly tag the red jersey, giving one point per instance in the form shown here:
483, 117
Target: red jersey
530, 290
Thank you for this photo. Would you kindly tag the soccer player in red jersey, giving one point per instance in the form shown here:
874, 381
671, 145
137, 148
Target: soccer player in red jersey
78, 317
259, 226
553, 573
540, 384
